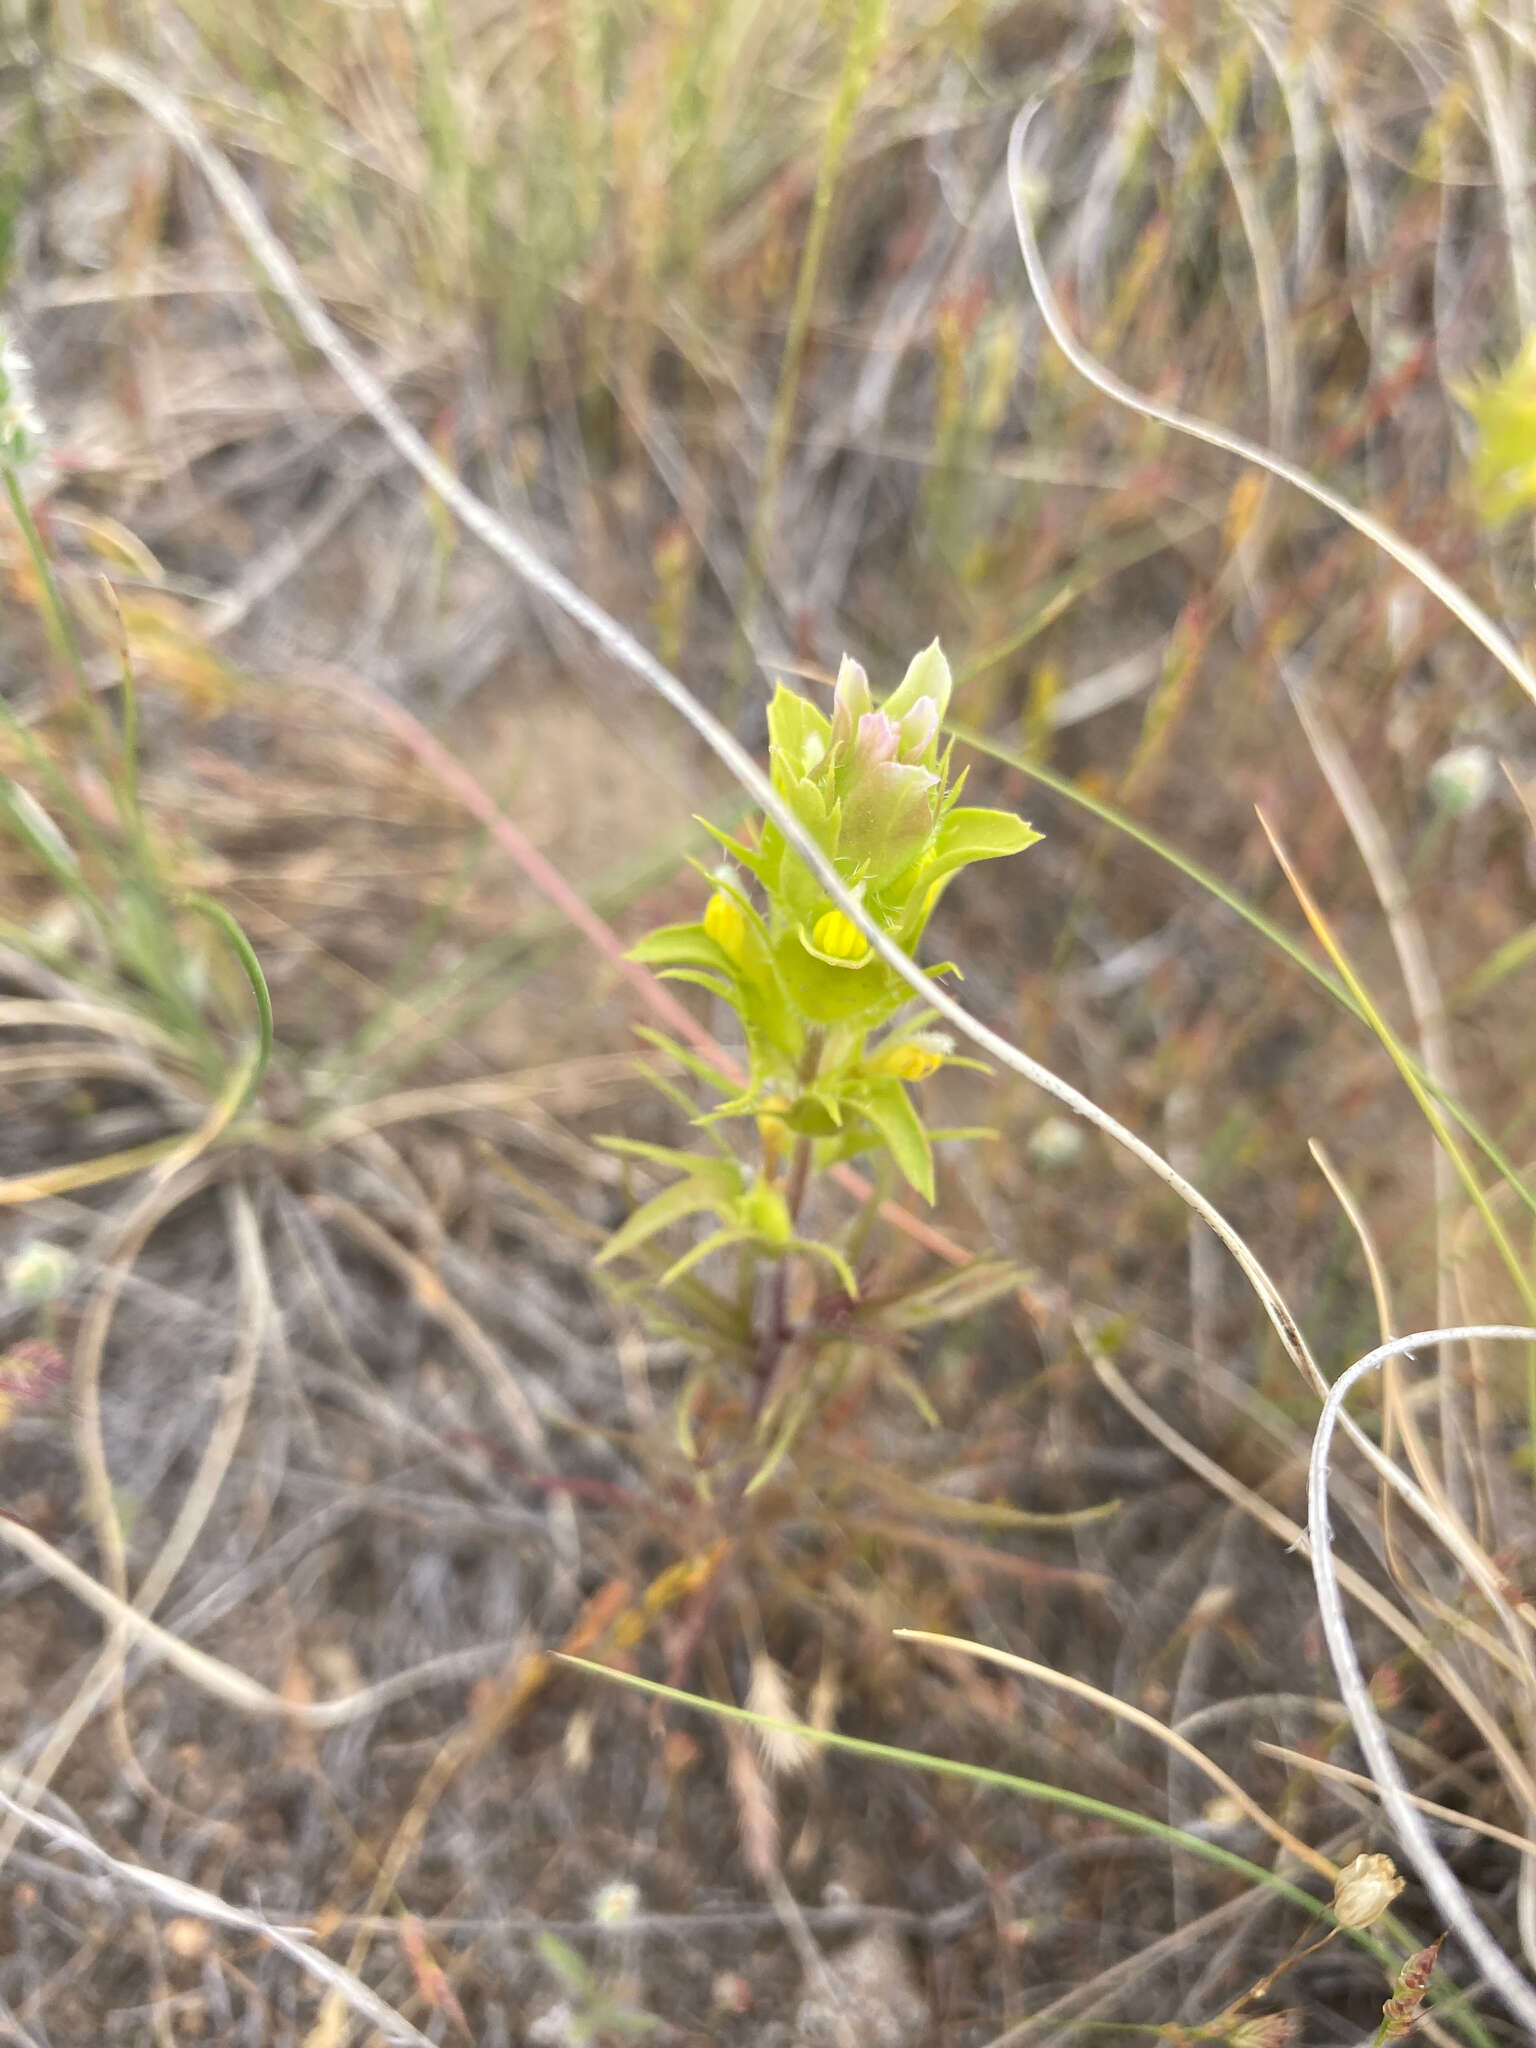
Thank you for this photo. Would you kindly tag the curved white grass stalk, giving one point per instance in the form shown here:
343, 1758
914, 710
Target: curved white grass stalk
1362, 224
1445, 1674
1302, 117
174, 1892
1510, 168
1417, 972
107, 1018
253, 1325
1515, 1990
1112, 160
1137, 1717
1336, 1774
1268, 282
223, 1681
1427, 1004
1404, 553
1479, 1715
506, 543
1243, 564
503, 541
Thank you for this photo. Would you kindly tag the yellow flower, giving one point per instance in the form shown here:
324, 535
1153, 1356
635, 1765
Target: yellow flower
772, 1131
838, 937
910, 1061
726, 924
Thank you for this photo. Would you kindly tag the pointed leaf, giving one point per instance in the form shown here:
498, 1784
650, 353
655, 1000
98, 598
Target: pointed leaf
687, 1198
814, 1116
32, 823
747, 1104
889, 1108
814, 1248
796, 1414
750, 857
951, 1296
927, 676
729, 886
628, 2019
670, 1092
969, 834
563, 1961
809, 803
670, 1156
715, 1242
680, 944
724, 990
686, 1057
798, 733
900, 1377
788, 881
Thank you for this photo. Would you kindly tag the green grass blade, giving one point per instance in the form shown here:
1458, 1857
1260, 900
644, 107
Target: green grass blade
1048, 1795
1267, 929
250, 966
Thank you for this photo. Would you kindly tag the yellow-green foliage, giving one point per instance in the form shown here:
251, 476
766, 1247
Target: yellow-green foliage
1503, 408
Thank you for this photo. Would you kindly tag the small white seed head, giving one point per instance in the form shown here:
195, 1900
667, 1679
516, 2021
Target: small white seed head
1364, 1889
1056, 1143
614, 1904
1224, 1812
39, 1272
21, 424
1462, 780
576, 1744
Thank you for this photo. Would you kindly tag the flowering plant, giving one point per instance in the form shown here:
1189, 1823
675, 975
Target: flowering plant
833, 1041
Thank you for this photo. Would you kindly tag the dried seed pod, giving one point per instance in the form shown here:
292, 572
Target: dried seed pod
1364, 1889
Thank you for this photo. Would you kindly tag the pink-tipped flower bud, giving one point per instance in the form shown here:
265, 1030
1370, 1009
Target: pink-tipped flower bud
851, 701
876, 741
919, 728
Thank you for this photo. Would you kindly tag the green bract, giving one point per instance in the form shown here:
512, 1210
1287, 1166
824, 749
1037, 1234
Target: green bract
836, 1048
818, 1007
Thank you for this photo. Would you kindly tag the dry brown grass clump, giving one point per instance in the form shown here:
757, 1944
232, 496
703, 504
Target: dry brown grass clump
319, 1383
